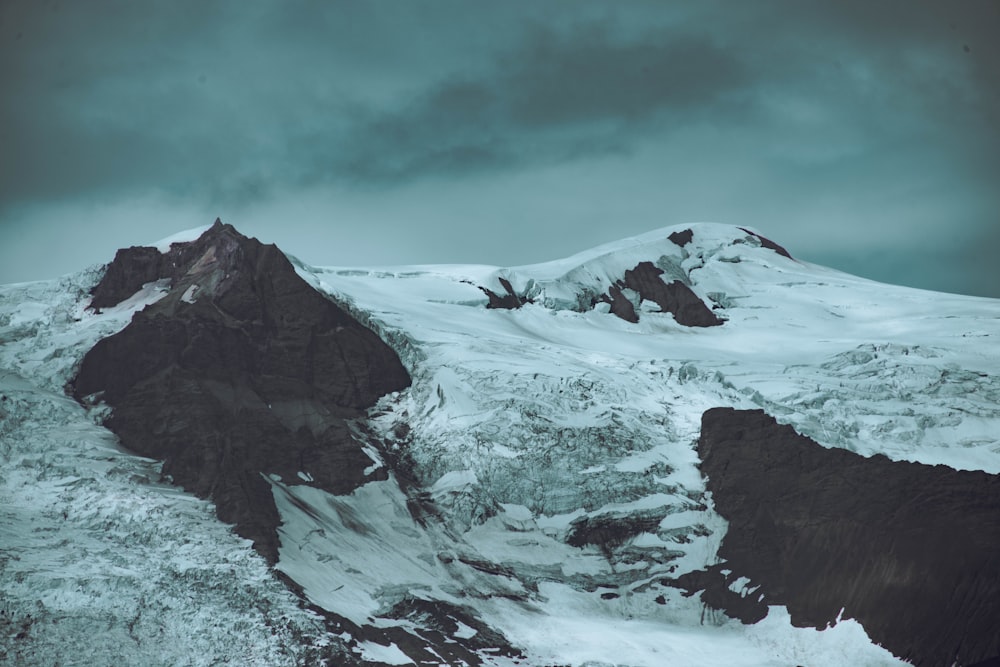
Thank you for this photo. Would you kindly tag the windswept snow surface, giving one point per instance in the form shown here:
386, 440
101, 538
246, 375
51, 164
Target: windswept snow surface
186, 236
529, 432
530, 427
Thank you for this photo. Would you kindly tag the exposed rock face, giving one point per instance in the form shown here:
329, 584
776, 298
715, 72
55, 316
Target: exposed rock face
509, 301
674, 297
769, 244
620, 305
719, 590
911, 551
131, 269
242, 370
438, 623
609, 531
681, 238
427, 635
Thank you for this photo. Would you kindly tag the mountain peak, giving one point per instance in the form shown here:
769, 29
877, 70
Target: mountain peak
204, 256
244, 369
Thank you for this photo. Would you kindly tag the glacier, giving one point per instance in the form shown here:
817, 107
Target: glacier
543, 476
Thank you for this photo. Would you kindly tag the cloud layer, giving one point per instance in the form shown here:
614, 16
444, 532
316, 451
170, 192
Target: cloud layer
861, 135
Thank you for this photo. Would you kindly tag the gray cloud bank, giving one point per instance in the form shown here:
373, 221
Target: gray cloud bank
862, 135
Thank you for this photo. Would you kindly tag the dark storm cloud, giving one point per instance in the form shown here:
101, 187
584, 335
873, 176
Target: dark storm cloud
827, 124
554, 96
225, 100
167, 101
591, 75
91, 93
194, 98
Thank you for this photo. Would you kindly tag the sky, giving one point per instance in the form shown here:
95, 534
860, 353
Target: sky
859, 134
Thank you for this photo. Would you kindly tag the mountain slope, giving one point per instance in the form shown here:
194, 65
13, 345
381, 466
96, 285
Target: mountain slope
557, 425
241, 371
101, 562
537, 493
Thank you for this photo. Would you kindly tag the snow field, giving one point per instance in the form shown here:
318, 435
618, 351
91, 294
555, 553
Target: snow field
531, 431
528, 426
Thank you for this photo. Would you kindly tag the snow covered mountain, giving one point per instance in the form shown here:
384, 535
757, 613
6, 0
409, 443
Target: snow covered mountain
521, 466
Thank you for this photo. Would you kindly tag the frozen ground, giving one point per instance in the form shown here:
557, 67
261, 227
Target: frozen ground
529, 429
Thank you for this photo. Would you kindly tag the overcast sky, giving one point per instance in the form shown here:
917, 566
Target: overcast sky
863, 135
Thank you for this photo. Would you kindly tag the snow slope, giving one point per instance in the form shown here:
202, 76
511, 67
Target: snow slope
526, 432
532, 427
101, 563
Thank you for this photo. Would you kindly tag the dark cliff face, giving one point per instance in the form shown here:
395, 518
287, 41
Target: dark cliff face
241, 370
911, 551
674, 297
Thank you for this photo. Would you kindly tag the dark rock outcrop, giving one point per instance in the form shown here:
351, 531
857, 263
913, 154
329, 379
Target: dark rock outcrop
911, 551
440, 626
674, 297
131, 269
509, 301
716, 585
681, 238
242, 370
609, 531
768, 243
620, 305
432, 630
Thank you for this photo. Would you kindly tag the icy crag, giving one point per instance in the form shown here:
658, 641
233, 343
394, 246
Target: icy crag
241, 371
909, 550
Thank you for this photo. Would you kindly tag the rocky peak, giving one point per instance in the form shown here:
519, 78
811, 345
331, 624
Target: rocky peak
240, 372
135, 266
682, 237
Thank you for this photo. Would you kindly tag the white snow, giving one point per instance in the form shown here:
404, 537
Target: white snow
522, 424
525, 421
186, 236
571, 628
189, 294
46, 327
454, 480
100, 562
464, 631
390, 655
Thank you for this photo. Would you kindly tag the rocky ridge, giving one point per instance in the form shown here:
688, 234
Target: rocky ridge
911, 551
241, 372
